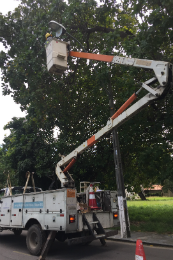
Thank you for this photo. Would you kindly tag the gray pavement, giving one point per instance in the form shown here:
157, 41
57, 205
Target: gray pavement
12, 248
148, 238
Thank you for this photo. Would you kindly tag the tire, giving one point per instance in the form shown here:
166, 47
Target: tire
35, 239
17, 231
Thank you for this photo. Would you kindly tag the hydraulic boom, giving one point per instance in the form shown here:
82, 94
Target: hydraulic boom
57, 52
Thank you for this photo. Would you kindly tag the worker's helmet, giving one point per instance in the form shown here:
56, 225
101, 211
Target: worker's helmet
48, 35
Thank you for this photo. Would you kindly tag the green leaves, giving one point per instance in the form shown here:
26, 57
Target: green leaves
168, 185
29, 149
77, 102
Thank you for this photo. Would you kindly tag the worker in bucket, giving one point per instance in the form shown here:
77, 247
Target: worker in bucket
48, 38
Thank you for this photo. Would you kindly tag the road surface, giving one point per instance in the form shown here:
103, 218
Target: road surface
14, 248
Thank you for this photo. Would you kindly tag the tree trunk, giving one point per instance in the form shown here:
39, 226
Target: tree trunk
141, 195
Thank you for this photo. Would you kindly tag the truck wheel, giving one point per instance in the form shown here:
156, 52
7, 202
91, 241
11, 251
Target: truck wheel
17, 231
35, 239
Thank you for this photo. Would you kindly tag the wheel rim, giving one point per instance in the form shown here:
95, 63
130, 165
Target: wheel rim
33, 240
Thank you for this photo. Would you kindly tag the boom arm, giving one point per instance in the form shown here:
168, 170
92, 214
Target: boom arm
57, 63
116, 120
57, 52
160, 67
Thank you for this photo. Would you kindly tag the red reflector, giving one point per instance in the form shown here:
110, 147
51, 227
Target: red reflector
115, 214
71, 219
61, 215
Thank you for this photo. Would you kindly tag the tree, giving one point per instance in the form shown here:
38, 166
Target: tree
168, 185
154, 41
76, 102
2, 168
29, 149
5, 169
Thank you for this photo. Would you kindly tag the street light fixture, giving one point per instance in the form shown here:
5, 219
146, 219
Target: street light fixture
57, 27
60, 30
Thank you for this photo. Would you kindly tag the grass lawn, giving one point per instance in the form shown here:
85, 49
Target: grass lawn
153, 215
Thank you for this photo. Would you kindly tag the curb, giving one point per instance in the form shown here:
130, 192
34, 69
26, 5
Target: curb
144, 243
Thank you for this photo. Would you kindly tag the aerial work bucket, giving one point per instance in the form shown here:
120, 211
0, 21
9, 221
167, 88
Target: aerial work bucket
56, 54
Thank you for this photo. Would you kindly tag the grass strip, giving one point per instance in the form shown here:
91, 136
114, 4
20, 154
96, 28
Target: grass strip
153, 215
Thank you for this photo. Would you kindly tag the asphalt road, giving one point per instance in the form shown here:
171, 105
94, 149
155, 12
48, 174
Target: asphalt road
13, 248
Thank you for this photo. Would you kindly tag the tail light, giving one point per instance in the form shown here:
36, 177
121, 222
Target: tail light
71, 219
115, 215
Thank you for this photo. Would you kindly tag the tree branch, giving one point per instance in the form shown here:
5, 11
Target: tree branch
123, 34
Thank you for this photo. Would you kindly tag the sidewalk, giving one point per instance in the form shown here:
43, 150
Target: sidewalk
148, 238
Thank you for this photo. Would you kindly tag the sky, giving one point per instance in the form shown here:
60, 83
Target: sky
8, 108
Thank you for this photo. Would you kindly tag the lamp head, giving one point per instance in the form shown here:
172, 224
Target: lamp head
57, 27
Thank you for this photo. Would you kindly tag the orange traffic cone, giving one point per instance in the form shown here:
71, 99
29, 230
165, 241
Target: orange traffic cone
92, 198
139, 254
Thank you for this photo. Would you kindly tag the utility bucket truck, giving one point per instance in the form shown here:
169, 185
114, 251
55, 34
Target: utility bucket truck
156, 87
64, 213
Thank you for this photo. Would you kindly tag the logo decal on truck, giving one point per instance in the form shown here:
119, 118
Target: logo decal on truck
35, 204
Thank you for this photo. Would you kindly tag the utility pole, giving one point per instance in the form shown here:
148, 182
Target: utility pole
122, 203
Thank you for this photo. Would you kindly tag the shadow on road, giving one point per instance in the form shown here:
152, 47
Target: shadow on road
9, 240
58, 250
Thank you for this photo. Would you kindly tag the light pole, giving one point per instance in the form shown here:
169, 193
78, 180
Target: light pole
123, 212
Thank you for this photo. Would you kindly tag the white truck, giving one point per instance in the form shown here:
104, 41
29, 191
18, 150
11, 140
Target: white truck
57, 210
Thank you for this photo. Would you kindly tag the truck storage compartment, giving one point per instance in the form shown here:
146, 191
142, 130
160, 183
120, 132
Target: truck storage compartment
5, 211
55, 210
105, 218
16, 210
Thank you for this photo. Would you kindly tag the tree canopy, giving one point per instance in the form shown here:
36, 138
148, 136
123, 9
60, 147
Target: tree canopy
77, 102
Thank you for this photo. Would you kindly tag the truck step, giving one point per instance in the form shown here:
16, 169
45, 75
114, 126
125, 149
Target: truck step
100, 236
93, 222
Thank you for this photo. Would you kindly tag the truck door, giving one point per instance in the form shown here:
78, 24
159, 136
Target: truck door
55, 209
16, 210
33, 207
5, 211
